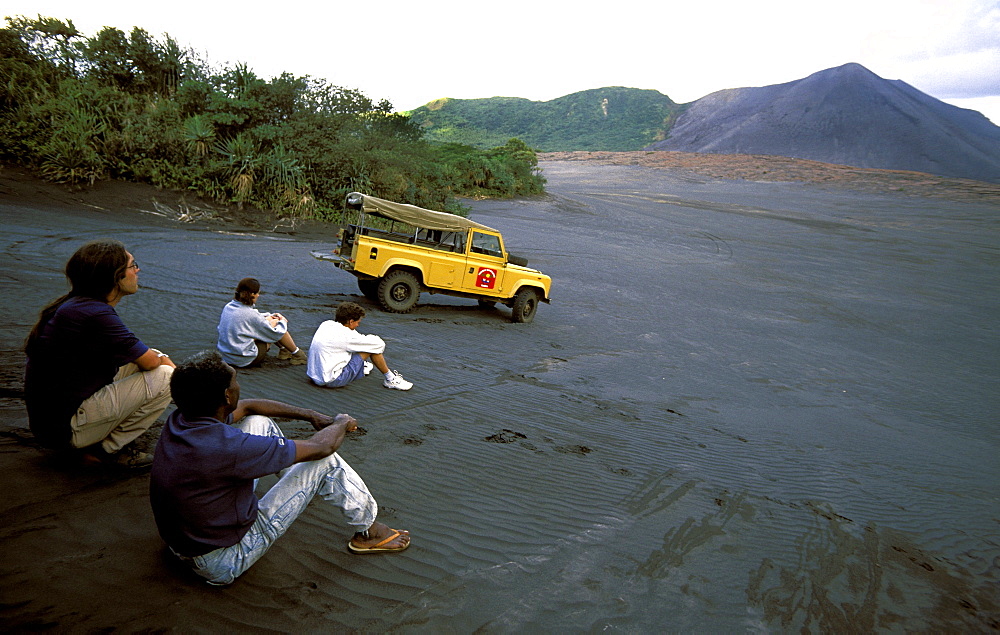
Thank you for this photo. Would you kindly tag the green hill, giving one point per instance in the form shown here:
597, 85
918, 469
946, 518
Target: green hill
614, 118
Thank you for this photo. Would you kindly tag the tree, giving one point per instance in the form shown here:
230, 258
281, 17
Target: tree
159, 67
107, 59
50, 40
22, 75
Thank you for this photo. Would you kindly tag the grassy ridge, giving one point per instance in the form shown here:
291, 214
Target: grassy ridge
614, 118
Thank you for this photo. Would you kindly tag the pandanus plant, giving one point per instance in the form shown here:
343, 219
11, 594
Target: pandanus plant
286, 180
242, 158
199, 136
70, 155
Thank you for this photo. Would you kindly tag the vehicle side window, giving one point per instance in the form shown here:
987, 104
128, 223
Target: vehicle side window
429, 235
453, 241
486, 244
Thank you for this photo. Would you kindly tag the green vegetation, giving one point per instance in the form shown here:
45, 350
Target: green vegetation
616, 119
511, 168
114, 106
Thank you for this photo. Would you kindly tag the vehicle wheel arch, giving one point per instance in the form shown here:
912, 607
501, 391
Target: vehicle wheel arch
538, 289
397, 264
414, 269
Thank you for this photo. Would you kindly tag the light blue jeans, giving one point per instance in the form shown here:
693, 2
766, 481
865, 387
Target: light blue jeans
354, 369
332, 478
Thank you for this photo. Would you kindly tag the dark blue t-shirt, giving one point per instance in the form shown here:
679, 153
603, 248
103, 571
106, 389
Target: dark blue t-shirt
76, 353
201, 485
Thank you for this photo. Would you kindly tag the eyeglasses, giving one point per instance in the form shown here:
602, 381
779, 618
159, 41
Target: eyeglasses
134, 265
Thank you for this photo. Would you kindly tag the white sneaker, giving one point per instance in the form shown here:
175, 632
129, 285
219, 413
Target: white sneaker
397, 382
368, 367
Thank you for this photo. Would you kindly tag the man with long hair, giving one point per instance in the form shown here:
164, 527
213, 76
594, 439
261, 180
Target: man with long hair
211, 452
90, 383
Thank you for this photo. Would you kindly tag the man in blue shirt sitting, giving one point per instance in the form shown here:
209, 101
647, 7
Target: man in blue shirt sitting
90, 384
211, 452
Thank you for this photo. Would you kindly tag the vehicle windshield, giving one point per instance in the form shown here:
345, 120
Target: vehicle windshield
486, 244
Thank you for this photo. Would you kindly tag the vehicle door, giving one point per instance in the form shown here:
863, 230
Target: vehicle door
448, 262
484, 269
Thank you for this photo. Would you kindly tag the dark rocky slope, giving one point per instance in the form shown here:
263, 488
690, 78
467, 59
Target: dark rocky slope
845, 115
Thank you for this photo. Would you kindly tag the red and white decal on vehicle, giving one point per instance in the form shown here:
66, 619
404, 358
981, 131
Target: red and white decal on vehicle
487, 278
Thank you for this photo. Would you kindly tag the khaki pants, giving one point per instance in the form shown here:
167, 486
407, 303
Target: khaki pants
118, 413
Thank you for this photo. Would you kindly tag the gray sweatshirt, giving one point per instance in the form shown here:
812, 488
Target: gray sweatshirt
239, 326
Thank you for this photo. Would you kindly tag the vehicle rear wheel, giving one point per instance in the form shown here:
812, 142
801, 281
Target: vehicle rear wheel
369, 288
398, 292
525, 305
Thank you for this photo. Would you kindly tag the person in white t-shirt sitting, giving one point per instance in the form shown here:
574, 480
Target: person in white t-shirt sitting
339, 354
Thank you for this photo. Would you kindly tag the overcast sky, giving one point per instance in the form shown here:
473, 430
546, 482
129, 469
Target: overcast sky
411, 53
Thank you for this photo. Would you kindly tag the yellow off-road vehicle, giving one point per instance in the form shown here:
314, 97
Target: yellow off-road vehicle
398, 250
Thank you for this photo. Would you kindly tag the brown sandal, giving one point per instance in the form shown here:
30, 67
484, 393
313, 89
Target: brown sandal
378, 548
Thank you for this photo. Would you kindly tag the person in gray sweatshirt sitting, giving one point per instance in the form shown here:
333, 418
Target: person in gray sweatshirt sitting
246, 334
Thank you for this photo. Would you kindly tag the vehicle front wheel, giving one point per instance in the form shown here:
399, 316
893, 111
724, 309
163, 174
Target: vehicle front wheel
525, 305
398, 292
369, 288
